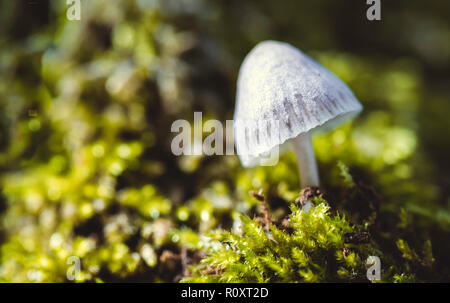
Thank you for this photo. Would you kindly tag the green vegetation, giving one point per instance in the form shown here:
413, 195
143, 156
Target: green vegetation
314, 252
86, 168
320, 245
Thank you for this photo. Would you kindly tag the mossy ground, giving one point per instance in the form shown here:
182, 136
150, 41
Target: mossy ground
87, 171
315, 245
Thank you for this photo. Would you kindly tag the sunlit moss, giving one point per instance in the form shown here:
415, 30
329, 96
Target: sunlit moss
87, 170
303, 255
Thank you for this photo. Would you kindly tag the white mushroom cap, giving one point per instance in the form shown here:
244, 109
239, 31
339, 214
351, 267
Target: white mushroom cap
285, 93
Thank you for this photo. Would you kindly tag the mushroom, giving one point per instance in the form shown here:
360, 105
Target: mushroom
284, 95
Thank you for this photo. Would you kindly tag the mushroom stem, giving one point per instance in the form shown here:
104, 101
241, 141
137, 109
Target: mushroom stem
306, 160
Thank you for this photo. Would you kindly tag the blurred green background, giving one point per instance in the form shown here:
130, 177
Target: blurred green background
86, 108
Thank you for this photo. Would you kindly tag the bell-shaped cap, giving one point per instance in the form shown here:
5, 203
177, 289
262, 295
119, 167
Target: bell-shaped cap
281, 92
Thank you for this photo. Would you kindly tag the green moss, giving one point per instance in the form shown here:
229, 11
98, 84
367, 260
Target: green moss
87, 171
314, 251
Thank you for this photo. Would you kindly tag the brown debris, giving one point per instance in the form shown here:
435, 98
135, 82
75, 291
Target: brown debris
213, 270
357, 238
265, 220
308, 193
